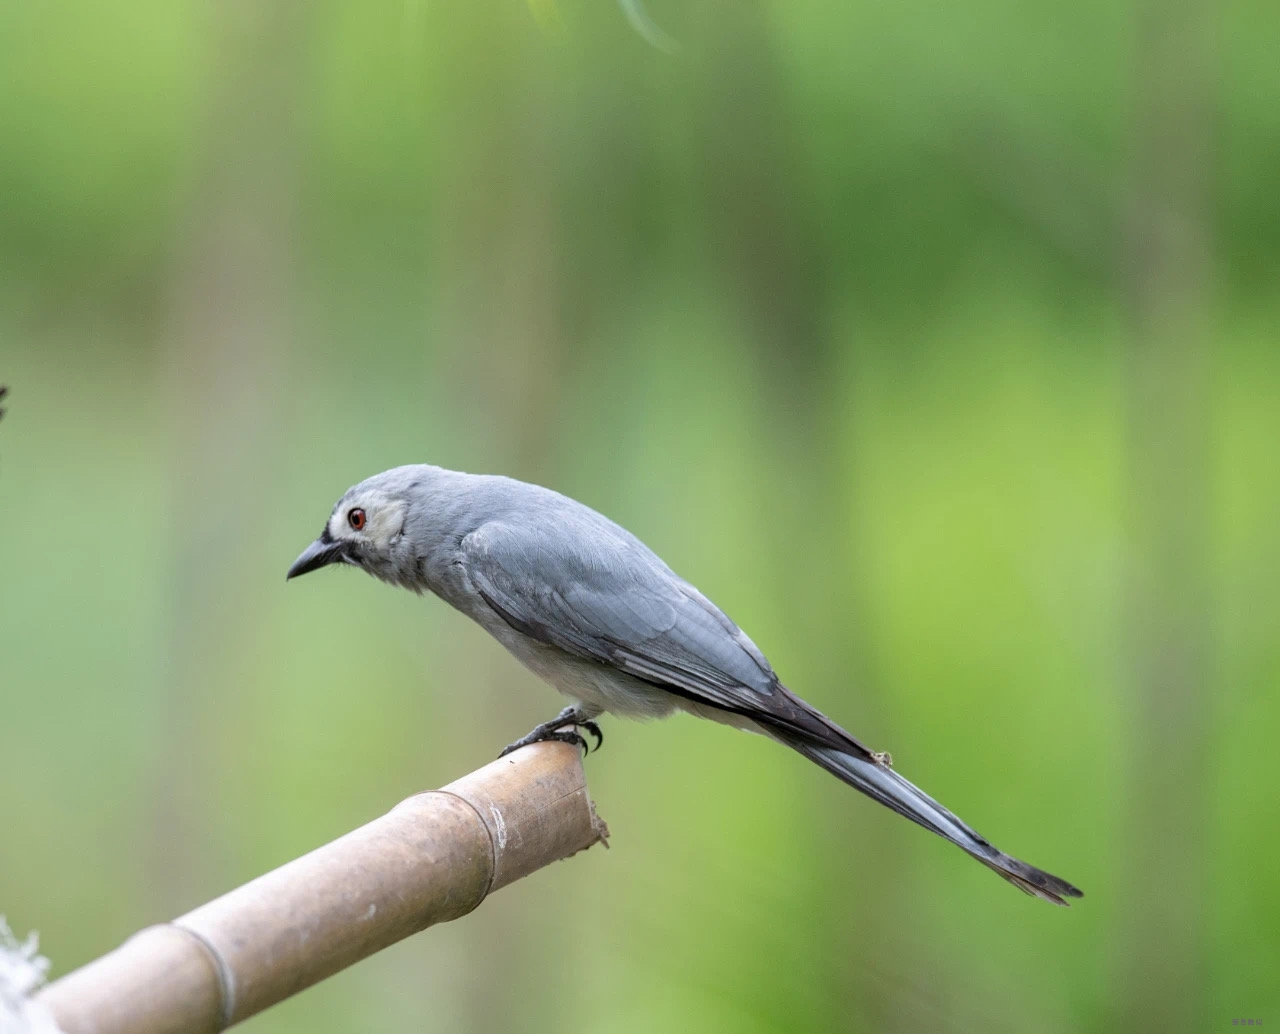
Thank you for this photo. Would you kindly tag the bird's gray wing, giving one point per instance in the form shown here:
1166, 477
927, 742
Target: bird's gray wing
602, 596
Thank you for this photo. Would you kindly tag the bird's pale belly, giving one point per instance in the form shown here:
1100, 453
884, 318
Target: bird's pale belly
597, 687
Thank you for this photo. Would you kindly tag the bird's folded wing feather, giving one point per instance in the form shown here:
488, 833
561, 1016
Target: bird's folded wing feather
605, 597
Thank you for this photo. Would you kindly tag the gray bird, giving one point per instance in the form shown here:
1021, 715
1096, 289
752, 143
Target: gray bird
589, 608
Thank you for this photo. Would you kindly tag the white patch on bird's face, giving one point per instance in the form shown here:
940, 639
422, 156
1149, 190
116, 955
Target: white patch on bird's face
382, 523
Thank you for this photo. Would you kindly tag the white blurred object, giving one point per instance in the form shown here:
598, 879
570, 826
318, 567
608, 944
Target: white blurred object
647, 27
22, 970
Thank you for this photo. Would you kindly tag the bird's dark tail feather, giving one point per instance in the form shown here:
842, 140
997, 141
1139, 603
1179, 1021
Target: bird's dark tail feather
883, 784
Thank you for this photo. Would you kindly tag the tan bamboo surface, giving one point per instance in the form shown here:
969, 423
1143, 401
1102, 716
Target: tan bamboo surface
432, 858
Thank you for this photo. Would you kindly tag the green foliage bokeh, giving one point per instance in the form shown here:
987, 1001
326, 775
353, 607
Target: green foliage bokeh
829, 307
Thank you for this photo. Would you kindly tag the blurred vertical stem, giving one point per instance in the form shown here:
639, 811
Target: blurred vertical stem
499, 238
224, 371
1161, 964
777, 258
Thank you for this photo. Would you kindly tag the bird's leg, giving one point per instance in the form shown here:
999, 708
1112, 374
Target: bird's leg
554, 730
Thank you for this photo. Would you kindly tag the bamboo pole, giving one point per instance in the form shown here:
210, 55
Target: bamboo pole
432, 858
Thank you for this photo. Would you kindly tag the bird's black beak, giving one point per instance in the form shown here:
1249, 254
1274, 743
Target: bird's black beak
322, 552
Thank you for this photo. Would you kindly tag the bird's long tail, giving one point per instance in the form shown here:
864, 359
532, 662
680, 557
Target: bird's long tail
882, 783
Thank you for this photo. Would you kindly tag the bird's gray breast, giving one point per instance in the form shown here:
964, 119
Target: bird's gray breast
598, 687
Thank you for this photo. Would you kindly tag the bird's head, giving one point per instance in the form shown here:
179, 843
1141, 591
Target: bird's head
366, 529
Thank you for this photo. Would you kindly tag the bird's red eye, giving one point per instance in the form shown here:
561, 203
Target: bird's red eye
356, 519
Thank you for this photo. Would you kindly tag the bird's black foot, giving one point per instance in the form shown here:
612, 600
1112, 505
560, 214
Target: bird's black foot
555, 730
594, 729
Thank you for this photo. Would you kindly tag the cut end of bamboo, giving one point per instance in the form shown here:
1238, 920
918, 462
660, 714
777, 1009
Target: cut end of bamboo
434, 857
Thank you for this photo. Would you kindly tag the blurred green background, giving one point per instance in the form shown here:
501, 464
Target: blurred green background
935, 342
